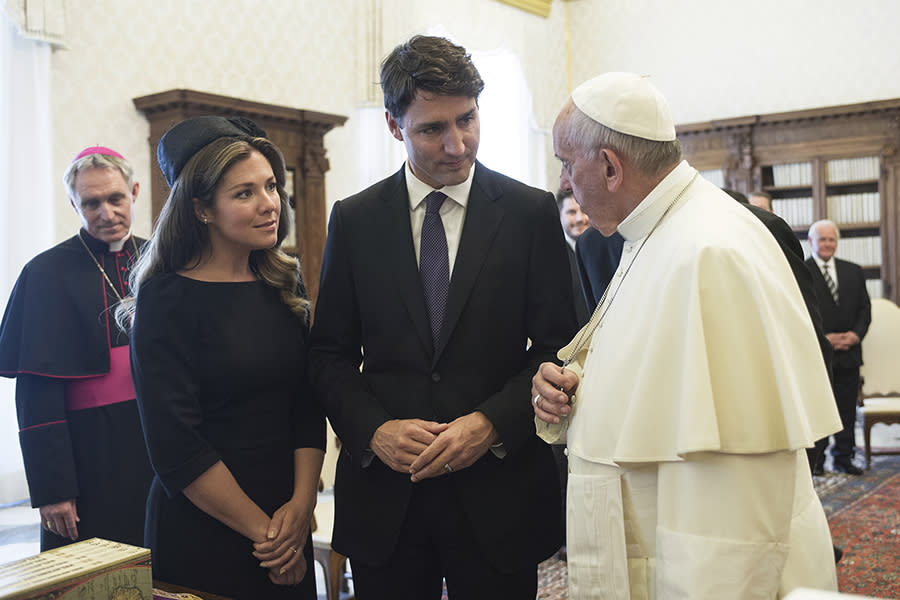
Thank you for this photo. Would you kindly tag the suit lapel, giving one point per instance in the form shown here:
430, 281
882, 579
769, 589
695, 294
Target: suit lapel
483, 216
399, 258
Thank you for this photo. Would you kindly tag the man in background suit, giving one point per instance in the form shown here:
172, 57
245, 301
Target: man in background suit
761, 199
846, 313
436, 295
598, 256
574, 223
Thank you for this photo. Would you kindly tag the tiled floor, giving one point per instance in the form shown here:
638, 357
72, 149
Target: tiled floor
19, 532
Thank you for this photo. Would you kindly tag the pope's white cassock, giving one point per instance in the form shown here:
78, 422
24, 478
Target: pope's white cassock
700, 389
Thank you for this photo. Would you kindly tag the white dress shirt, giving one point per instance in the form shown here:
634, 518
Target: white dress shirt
453, 214
832, 269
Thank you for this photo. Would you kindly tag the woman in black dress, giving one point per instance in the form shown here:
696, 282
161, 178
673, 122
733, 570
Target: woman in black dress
219, 365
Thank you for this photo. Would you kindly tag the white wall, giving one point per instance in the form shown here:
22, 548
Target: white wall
310, 54
712, 59
715, 59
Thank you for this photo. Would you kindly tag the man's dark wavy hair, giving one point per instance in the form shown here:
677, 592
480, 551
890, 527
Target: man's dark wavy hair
431, 64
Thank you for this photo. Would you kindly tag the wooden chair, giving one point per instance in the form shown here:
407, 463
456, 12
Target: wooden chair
880, 394
333, 563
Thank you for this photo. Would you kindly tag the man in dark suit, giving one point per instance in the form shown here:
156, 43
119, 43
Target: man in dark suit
598, 256
574, 223
441, 474
846, 313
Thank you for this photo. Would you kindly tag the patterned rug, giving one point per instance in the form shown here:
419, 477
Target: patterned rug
864, 514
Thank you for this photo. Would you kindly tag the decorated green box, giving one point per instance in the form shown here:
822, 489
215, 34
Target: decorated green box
95, 569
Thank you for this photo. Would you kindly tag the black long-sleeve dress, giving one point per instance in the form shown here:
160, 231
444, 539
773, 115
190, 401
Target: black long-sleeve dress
220, 374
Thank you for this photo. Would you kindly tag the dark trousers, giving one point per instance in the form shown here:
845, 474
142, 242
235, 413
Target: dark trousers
437, 542
562, 467
845, 385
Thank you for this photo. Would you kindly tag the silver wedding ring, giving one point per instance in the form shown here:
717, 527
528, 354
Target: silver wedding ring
448, 468
535, 400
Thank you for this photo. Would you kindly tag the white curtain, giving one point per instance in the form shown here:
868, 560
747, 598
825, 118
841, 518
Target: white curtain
26, 201
510, 139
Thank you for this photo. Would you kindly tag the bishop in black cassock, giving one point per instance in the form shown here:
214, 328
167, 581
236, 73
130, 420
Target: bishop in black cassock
82, 445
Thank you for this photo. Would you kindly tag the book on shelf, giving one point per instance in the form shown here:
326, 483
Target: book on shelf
792, 174
846, 170
797, 212
855, 208
864, 251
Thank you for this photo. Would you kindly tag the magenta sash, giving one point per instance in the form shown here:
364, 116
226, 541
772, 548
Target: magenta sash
116, 386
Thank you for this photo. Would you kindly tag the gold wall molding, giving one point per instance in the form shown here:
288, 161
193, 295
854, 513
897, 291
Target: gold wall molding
538, 7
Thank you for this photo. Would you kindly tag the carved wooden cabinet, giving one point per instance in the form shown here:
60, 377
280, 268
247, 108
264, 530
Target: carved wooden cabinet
298, 133
841, 163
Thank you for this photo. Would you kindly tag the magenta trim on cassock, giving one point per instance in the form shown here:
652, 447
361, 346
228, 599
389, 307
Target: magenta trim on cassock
116, 386
42, 425
41, 374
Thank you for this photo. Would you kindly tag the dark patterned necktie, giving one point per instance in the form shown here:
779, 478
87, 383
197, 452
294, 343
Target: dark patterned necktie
832, 286
434, 263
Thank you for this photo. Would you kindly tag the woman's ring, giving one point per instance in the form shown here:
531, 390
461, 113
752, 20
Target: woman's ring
448, 468
535, 400
294, 550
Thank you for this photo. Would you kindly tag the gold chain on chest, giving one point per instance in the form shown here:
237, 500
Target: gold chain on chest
137, 254
602, 306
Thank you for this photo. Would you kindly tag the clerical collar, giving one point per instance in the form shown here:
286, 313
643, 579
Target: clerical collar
418, 189
645, 215
99, 246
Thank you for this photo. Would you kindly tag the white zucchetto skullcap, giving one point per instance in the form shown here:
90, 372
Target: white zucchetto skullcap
627, 103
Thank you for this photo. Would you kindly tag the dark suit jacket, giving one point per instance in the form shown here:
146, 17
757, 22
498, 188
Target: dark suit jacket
598, 256
578, 296
853, 312
509, 285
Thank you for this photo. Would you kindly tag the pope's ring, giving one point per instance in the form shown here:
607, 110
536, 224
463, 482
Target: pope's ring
448, 468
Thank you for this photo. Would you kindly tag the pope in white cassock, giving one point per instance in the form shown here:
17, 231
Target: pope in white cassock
696, 385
